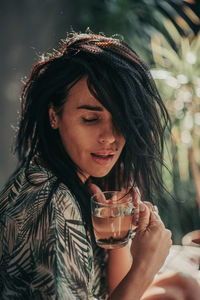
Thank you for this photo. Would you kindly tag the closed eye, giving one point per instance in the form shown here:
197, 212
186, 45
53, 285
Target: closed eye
90, 120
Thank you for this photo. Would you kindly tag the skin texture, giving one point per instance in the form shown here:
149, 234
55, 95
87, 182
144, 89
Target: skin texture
86, 129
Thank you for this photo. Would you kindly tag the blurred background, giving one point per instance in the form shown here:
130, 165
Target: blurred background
165, 33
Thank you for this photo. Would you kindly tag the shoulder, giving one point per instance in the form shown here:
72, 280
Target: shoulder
66, 203
22, 189
32, 189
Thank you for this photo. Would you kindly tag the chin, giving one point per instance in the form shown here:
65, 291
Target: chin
100, 174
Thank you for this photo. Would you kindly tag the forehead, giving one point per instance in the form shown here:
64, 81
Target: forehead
79, 95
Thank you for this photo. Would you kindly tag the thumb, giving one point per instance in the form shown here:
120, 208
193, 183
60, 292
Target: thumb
144, 217
93, 188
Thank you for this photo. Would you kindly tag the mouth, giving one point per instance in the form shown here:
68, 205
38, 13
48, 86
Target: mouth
102, 158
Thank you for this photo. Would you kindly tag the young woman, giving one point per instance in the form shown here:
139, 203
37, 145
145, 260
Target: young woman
90, 114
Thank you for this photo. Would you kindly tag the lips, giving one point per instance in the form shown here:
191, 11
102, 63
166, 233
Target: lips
102, 157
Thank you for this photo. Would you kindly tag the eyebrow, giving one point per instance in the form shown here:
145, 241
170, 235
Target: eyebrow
90, 107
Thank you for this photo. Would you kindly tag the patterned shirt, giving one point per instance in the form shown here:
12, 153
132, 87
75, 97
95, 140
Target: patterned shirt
45, 250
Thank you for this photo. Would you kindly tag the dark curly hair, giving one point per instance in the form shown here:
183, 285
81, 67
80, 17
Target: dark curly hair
121, 81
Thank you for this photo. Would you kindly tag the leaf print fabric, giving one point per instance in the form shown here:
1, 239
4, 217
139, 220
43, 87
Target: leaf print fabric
45, 252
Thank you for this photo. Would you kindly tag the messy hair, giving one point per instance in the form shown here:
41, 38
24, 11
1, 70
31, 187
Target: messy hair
122, 83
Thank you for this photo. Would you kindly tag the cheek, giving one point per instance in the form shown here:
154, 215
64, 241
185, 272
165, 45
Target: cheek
122, 142
76, 141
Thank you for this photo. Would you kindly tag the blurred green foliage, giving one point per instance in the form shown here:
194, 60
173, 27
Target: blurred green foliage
177, 74
136, 20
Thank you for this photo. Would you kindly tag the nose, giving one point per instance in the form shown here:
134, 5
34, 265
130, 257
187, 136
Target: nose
107, 133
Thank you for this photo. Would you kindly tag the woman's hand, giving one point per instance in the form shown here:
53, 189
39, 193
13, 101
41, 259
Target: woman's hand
151, 242
149, 249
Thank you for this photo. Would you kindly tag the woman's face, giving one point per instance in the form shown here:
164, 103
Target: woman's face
87, 132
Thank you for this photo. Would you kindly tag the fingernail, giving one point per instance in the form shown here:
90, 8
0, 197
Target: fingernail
136, 221
142, 206
155, 209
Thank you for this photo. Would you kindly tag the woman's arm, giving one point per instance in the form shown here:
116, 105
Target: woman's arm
119, 263
133, 285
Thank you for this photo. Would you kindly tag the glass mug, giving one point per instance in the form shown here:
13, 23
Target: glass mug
112, 216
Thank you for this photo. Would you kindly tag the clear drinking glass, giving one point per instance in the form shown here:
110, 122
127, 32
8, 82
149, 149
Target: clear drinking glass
112, 215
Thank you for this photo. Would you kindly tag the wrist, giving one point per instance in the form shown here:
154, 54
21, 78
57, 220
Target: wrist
143, 276
143, 271
133, 285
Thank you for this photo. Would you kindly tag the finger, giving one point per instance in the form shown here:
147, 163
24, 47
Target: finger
149, 204
155, 209
135, 193
154, 217
144, 217
136, 196
95, 190
136, 215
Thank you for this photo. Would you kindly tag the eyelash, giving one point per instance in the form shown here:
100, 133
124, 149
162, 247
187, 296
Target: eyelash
90, 120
